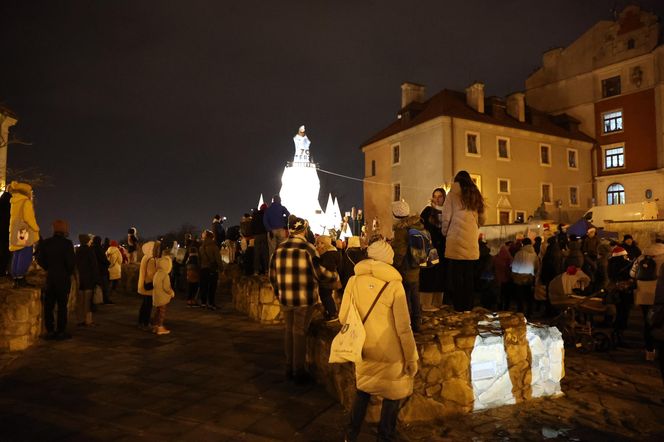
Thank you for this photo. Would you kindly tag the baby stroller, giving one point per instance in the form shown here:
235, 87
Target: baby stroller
577, 310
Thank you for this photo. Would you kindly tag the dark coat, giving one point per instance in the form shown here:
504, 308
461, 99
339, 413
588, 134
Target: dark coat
102, 260
552, 262
56, 256
276, 217
432, 278
219, 232
87, 268
257, 226
351, 256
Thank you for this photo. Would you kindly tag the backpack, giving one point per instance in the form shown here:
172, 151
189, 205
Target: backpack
420, 249
647, 269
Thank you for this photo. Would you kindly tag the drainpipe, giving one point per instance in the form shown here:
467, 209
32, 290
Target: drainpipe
452, 149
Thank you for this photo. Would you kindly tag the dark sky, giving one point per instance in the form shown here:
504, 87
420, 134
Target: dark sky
156, 113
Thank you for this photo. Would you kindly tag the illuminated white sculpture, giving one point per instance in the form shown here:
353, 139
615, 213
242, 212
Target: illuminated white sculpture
300, 185
260, 202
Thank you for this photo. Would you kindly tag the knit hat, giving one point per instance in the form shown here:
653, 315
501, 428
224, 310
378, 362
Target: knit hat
618, 251
296, 225
626, 237
571, 270
400, 209
113, 243
60, 226
354, 241
381, 251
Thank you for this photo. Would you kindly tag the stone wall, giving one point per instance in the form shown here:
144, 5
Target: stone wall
468, 362
644, 232
254, 296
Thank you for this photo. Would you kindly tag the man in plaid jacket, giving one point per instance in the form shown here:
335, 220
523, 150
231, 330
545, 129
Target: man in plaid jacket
295, 272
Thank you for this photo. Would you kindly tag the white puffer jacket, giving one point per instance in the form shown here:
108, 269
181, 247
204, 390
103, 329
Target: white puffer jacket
389, 343
162, 292
645, 290
460, 227
115, 263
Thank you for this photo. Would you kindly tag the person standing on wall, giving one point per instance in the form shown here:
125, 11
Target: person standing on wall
23, 231
432, 279
463, 213
276, 223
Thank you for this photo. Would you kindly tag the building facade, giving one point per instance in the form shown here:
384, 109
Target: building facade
611, 79
7, 120
518, 156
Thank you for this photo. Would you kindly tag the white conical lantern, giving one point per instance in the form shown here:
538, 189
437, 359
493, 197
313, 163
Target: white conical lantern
260, 202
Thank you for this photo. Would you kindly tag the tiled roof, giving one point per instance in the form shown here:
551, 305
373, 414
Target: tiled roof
451, 103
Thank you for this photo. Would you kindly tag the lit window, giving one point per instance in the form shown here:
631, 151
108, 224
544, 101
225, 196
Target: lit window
504, 148
573, 196
472, 144
545, 155
630, 43
612, 122
477, 179
503, 185
396, 154
611, 87
614, 158
615, 194
546, 192
397, 192
520, 217
572, 155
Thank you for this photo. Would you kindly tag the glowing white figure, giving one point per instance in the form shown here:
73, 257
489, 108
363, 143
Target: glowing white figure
302, 144
260, 202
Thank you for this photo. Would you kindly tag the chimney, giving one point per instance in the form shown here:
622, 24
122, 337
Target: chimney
475, 96
411, 92
516, 106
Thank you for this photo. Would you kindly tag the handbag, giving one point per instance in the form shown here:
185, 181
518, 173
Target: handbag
348, 343
98, 296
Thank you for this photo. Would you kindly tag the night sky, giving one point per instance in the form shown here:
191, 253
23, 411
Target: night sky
156, 113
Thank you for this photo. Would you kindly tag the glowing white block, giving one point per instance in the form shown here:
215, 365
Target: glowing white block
489, 372
547, 360
299, 194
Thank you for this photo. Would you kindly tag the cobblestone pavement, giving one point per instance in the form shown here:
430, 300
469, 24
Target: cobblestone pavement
219, 377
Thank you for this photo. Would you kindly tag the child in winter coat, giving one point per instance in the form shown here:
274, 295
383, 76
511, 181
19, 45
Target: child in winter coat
162, 293
330, 258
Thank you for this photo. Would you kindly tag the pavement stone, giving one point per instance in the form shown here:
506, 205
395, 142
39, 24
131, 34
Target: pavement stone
219, 377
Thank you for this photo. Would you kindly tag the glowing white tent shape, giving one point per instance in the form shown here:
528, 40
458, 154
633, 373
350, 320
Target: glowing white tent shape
489, 372
260, 202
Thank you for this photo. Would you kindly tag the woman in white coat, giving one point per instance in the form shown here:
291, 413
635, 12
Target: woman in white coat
463, 213
114, 257
389, 354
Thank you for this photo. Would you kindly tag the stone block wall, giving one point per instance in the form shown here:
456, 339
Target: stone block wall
254, 296
468, 362
20, 317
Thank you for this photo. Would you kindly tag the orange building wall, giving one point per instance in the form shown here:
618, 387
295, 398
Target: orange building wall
639, 131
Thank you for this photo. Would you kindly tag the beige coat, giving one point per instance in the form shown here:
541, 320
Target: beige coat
460, 227
147, 268
162, 292
645, 290
390, 342
115, 263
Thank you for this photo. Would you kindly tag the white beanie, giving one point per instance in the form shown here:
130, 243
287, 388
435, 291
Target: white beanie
400, 209
381, 251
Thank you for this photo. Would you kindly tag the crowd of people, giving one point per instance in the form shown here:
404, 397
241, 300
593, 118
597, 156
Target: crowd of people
382, 279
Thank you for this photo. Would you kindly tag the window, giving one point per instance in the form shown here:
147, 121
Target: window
520, 216
396, 154
504, 216
574, 196
614, 157
615, 194
611, 87
545, 155
397, 192
473, 144
503, 185
477, 179
373, 167
630, 43
572, 159
503, 148
612, 122
547, 197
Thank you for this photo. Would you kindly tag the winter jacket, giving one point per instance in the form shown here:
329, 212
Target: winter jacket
389, 342
331, 260
574, 255
562, 286
645, 290
147, 269
633, 250
295, 272
399, 244
590, 245
56, 256
351, 257
162, 292
87, 268
257, 226
23, 228
114, 263
460, 227
502, 264
276, 217
219, 232
102, 261
193, 269
552, 262
525, 265
209, 255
